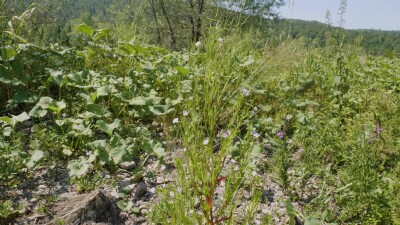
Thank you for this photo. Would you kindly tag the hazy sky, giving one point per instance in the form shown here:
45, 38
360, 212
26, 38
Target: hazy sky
360, 14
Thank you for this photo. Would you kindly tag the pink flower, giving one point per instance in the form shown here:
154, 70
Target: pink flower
280, 134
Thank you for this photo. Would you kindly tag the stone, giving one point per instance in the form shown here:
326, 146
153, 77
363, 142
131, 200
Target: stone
128, 165
141, 189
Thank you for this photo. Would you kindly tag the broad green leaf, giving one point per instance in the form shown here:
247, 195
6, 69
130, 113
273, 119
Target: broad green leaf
6, 119
4, 76
20, 118
160, 110
45, 102
103, 91
154, 147
84, 28
182, 70
109, 128
7, 131
101, 33
38, 111
256, 151
98, 110
131, 48
36, 157
7, 52
117, 153
77, 168
57, 76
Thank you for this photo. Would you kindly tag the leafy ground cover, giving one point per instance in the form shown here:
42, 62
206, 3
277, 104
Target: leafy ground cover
229, 116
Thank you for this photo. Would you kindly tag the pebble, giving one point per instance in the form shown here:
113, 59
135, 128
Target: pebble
128, 165
141, 189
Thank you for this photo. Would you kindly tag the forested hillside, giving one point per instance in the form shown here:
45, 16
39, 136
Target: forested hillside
185, 112
54, 21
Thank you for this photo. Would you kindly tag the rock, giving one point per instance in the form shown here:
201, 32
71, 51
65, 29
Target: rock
141, 189
128, 165
91, 208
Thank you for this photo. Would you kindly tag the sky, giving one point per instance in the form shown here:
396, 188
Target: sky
359, 14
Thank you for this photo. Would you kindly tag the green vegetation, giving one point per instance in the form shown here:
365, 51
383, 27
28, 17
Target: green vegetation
321, 118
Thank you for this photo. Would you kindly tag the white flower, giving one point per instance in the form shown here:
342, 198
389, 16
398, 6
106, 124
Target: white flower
172, 194
225, 134
255, 134
176, 120
190, 98
185, 113
254, 173
206, 141
198, 44
220, 40
245, 92
152, 190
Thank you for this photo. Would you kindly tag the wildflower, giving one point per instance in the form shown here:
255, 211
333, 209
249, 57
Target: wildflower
185, 113
255, 134
225, 134
254, 173
206, 141
197, 44
236, 168
191, 98
179, 190
280, 134
245, 92
152, 190
378, 129
171, 194
176, 120
220, 40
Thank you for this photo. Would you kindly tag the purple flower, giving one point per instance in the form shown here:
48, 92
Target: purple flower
378, 129
280, 134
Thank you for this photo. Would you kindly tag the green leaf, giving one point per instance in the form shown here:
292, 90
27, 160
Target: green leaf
36, 157
117, 153
101, 33
37, 111
77, 168
84, 28
125, 206
291, 211
160, 110
57, 76
4, 76
45, 102
182, 70
7, 52
109, 128
255, 152
7, 131
309, 220
103, 91
154, 147
6, 119
20, 118
131, 48
98, 110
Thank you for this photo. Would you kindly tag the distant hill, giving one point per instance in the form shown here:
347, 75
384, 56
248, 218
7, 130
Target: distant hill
376, 42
